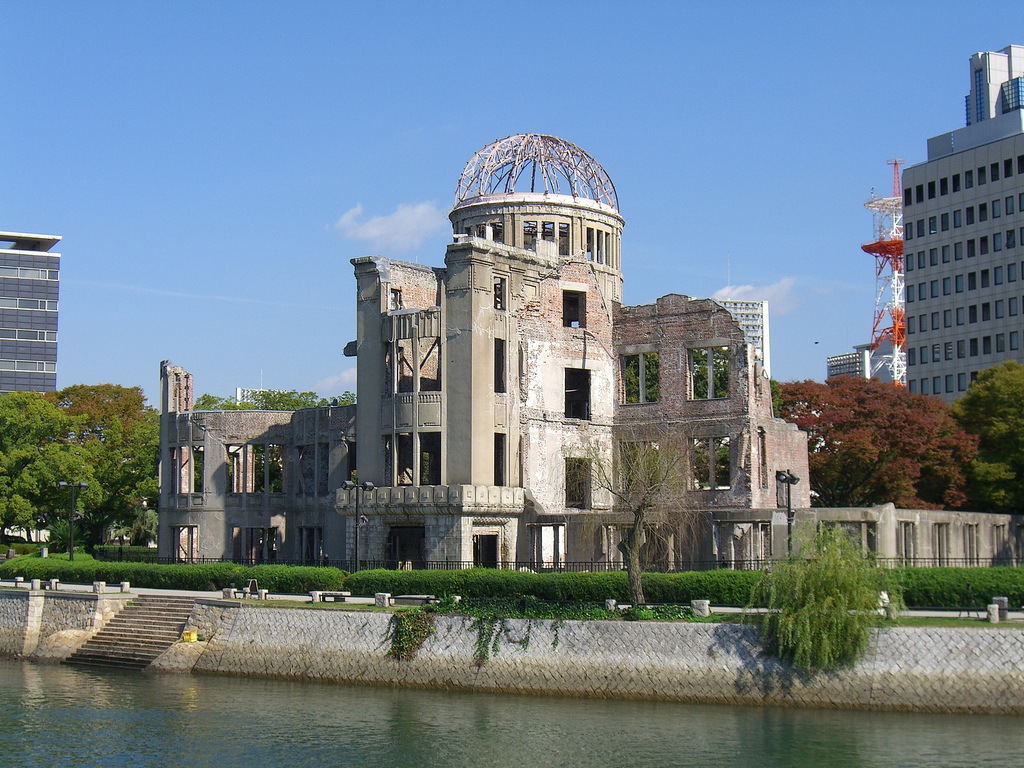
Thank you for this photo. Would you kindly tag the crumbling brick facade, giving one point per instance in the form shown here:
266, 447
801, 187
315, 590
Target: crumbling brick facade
492, 391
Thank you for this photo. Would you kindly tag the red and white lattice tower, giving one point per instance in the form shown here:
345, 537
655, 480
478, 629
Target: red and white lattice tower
890, 325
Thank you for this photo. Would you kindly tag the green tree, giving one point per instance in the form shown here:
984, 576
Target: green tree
119, 436
993, 410
34, 454
272, 400
776, 390
208, 402
822, 603
873, 443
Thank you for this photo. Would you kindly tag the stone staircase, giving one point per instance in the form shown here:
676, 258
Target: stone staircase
140, 632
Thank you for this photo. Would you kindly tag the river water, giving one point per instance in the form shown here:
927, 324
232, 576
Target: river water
61, 716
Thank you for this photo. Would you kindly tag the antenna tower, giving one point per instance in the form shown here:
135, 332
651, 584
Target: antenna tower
890, 325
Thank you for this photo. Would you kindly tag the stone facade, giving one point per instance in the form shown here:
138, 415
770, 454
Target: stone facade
255, 486
514, 367
491, 392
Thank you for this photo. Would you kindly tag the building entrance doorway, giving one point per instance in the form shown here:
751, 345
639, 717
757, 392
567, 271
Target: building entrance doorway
485, 550
405, 547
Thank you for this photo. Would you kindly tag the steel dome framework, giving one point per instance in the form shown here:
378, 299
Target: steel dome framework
535, 163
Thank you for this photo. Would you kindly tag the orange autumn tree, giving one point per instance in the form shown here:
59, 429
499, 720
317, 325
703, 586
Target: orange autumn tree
873, 443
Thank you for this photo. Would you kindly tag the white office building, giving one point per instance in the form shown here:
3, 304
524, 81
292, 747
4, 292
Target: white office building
861, 363
963, 231
753, 319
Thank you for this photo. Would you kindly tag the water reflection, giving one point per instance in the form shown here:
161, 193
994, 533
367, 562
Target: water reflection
70, 717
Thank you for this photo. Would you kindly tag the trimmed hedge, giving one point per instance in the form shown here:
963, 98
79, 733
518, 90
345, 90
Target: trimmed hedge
21, 548
960, 587
721, 587
922, 587
283, 579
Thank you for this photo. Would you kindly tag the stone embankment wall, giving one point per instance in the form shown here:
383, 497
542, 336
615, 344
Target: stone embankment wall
13, 622
916, 669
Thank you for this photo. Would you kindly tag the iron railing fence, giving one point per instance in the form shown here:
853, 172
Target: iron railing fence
581, 566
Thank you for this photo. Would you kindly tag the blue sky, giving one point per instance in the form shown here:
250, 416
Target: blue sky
213, 167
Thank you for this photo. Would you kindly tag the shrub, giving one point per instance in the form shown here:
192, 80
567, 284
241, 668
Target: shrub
22, 548
721, 587
822, 608
527, 607
286, 579
960, 587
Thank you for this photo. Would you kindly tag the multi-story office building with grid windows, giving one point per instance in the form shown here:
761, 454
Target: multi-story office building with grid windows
753, 319
29, 282
963, 212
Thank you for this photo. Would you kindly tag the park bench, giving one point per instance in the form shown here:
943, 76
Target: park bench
320, 596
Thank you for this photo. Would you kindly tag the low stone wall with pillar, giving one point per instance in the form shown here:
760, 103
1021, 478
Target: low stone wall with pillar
50, 625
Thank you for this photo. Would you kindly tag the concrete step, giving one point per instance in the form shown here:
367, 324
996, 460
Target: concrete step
139, 633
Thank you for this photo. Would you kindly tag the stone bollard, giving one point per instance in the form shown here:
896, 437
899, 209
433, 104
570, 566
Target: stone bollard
36, 584
611, 605
99, 587
228, 593
53, 584
263, 594
382, 599
891, 613
315, 596
993, 614
44, 551
701, 608
1004, 607
19, 581
126, 586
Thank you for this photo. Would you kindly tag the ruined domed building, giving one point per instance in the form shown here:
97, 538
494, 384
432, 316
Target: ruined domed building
491, 395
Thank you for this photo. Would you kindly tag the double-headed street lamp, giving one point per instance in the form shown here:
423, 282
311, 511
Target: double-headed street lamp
348, 485
788, 479
62, 484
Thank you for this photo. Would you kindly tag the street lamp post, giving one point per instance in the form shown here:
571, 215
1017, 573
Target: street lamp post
361, 520
788, 479
61, 484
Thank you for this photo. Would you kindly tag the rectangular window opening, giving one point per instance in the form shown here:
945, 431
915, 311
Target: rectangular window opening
574, 309
577, 483
577, 393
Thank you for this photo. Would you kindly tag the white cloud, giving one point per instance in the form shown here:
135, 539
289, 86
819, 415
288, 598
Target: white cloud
335, 385
780, 296
402, 230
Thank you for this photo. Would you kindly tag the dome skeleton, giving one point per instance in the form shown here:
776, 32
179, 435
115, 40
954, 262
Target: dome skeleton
499, 167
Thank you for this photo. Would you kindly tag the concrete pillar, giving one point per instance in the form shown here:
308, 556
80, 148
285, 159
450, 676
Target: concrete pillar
33, 621
1004, 607
701, 608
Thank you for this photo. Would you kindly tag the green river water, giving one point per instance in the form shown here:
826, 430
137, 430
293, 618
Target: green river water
60, 716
